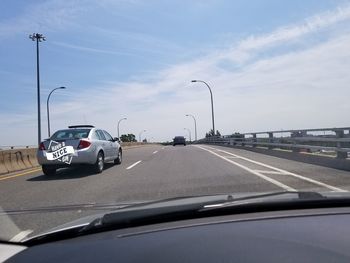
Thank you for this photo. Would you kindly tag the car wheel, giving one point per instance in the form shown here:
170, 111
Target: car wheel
184, 144
119, 159
49, 171
100, 162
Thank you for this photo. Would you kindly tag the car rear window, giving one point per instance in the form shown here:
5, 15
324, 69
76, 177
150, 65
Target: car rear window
70, 134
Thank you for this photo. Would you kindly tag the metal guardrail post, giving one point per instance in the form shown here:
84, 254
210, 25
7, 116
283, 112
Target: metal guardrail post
254, 140
231, 142
270, 140
340, 154
243, 139
234, 142
293, 135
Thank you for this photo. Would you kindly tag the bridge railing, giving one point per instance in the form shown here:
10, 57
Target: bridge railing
334, 142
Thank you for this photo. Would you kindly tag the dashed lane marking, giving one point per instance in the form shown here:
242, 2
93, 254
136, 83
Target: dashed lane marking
133, 165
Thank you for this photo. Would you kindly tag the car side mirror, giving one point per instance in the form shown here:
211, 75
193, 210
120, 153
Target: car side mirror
116, 139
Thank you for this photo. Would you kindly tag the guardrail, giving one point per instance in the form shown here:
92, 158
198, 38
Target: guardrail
17, 159
334, 142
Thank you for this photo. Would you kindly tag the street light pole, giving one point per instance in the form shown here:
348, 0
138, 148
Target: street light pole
195, 125
48, 109
212, 103
38, 38
141, 134
189, 132
118, 126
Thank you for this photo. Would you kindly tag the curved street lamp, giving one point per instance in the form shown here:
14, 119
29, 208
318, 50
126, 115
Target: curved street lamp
212, 103
141, 134
195, 125
189, 133
118, 126
48, 109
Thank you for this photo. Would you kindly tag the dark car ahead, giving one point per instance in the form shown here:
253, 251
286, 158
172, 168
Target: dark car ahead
179, 140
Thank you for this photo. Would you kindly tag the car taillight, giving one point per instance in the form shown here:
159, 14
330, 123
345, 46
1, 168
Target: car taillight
83, 144
42, 146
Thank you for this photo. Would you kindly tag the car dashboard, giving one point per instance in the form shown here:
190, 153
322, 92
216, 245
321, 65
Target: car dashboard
309, 235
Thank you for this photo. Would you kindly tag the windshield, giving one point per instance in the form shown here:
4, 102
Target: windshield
110, 103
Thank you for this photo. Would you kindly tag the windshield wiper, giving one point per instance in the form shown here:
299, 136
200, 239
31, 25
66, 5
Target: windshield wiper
298, 195
226, 198
176, 209
72, 207
144, 216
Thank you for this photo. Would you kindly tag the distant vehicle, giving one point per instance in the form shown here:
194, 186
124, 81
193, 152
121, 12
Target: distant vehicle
179, 140
92, 146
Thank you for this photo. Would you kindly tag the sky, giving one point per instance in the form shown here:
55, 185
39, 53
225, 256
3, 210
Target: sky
271, 65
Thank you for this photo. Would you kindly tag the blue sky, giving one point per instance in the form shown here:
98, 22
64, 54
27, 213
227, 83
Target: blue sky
271, 64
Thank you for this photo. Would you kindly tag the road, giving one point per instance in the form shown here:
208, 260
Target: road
156, 172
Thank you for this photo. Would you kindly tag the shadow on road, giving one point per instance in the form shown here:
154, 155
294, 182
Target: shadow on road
69, 173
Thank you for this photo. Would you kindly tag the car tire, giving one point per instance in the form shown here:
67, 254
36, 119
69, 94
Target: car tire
120, 158
100, 163
49, 171
184, 144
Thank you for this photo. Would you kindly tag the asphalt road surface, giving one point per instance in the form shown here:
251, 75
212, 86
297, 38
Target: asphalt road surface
155, 172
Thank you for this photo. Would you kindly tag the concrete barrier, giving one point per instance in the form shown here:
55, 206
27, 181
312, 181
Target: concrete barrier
26, 158
3, 168
32, 157
7, 161
13, 160
17, 160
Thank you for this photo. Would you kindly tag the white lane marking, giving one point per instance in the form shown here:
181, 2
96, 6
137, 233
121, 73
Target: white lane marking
163, 148
21, 235
333, 188
231, 157
134, 164
154, 152
273, 181
269, 172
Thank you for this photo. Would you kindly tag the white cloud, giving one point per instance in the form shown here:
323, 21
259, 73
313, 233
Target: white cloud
46, 16
301, 88
287, 34
89, 49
